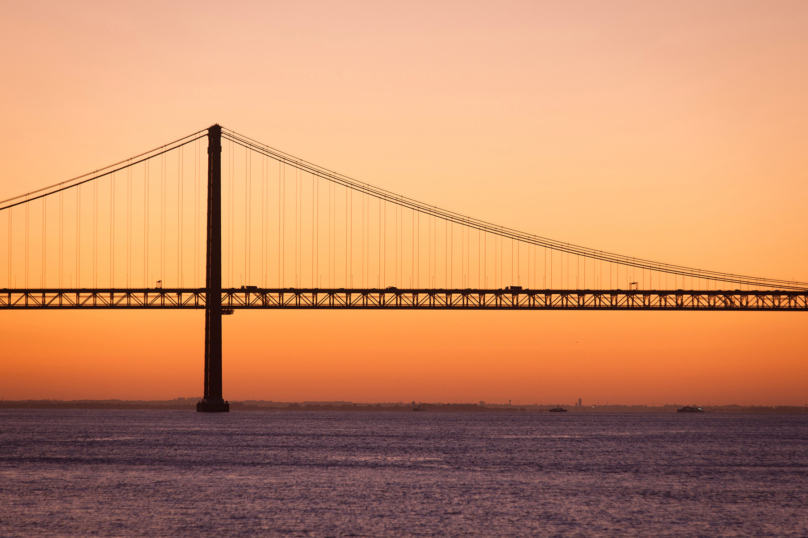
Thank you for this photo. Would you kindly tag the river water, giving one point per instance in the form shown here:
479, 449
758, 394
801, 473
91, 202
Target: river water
178, 473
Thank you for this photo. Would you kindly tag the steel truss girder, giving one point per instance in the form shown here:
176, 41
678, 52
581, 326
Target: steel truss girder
408, 299
101, 298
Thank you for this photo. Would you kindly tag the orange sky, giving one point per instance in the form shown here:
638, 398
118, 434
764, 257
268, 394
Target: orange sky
675, 132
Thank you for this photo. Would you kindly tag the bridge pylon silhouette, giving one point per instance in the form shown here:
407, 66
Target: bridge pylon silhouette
212, 400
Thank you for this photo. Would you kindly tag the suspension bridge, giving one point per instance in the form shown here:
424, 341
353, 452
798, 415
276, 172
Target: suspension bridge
219, 221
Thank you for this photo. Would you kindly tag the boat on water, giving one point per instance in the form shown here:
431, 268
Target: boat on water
690, 409
558, 409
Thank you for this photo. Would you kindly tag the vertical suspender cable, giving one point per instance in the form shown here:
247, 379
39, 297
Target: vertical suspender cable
146, 167
365, 239
379, 275
294, 229
569, 268
462, 254
313, 232
347, 283
418, 249
196, 213
229, 218
433, 252
496, 265
298, 227
229, 250
468, 256
398, 238
268, 163
180, 207
247, 194
465, 254
283, 224
317, 228
500, 280
247, 215
429, 251
233, 213
78, 236
231, 177
25, 280
10, 211
399, 246
446, 261
95, 233
263, 219
164, 221
279, 224
328, 189
512, 262
162, 214
61, 236
350, 234
298, 237
299, 203
451, 254
396, 268
333, 238
44, 240
129, 226
295, 226
8, 277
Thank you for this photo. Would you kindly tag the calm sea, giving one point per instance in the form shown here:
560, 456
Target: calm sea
176, 473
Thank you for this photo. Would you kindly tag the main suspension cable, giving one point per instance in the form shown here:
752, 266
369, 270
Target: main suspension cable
502, 231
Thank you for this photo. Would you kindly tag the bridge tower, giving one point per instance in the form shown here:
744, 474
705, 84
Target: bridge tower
212, 401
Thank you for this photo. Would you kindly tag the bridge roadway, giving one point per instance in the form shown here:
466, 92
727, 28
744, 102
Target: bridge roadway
406, 299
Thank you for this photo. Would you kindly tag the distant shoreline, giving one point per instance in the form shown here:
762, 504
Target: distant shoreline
189, 404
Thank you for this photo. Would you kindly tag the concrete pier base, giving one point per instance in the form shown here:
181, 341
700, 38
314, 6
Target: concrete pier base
213, 405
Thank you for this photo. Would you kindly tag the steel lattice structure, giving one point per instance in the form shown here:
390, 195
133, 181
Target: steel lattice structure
406, 299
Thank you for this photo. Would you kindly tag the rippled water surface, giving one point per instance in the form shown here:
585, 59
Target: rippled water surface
176, 473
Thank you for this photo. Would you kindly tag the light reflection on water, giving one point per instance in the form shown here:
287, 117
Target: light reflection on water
175, 473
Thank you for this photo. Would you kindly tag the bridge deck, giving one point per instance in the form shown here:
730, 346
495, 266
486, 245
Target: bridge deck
408, 299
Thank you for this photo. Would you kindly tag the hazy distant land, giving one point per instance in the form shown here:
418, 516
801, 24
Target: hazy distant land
263, 405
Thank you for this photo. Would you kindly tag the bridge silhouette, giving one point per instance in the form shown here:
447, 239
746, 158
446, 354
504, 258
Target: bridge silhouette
332, 243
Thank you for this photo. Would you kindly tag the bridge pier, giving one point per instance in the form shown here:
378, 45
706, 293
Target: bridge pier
213, 401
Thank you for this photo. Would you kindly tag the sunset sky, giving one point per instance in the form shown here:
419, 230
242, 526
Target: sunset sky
675, 132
